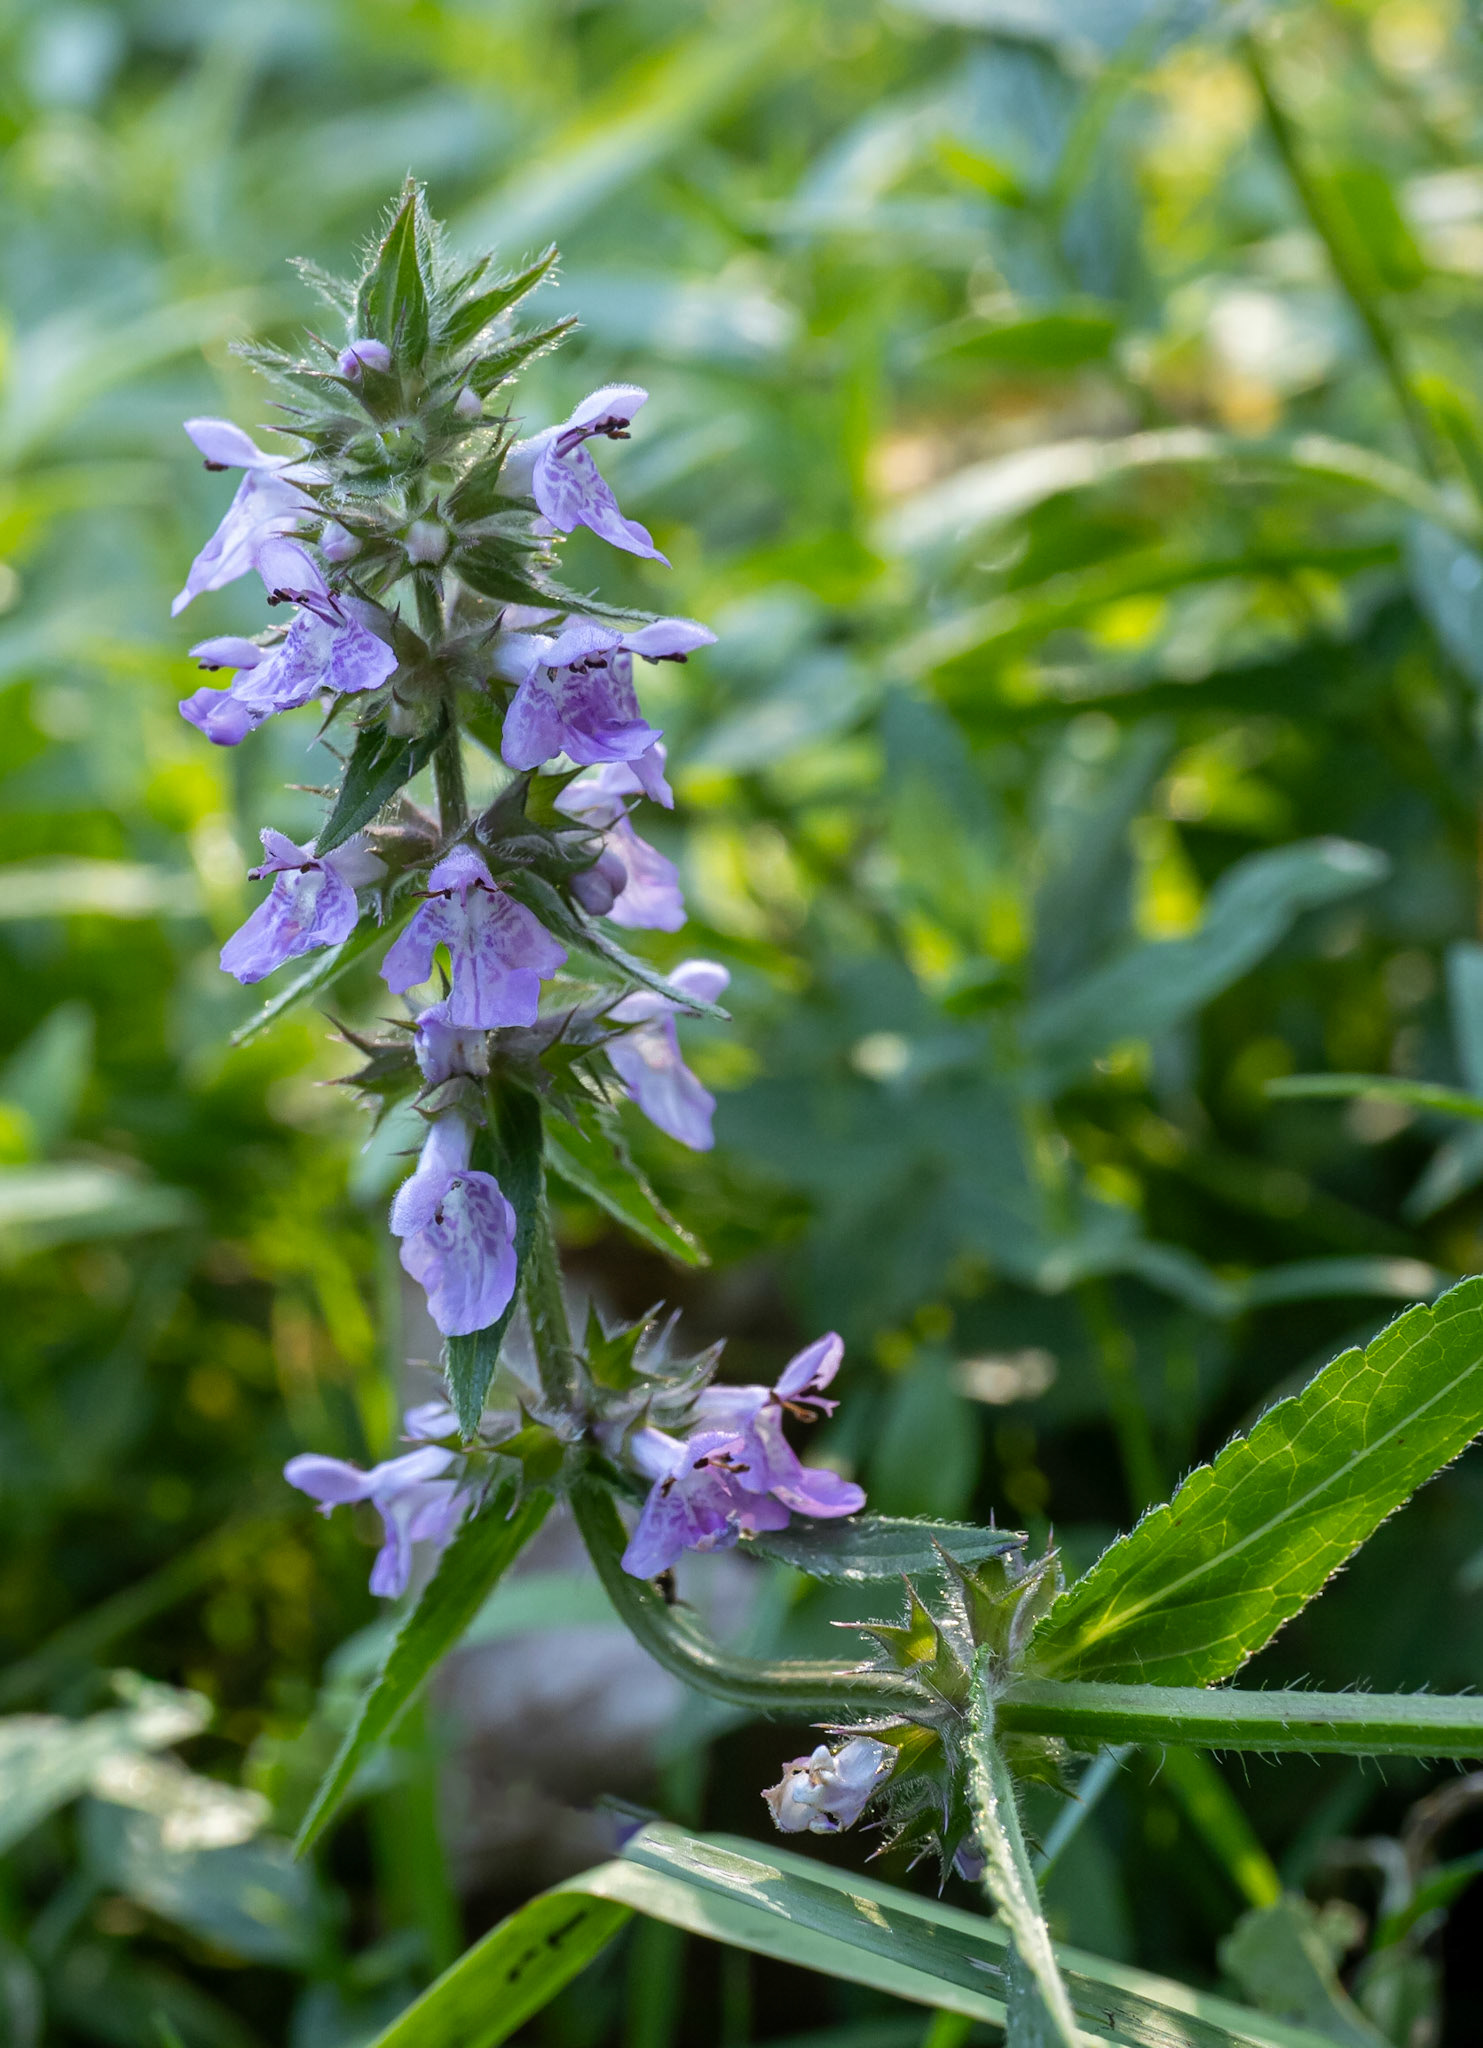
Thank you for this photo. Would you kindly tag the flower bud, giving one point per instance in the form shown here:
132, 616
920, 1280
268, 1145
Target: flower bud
364, 355
468, 404
598, 888
425, 540
336, 545
827, 1792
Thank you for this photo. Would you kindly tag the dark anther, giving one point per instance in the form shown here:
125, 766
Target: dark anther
215, 465
668, 1589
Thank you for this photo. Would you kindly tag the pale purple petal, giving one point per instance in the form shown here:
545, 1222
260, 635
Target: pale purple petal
500, 951
812, 1369
703, 979
356, 862
532, 732
289, 570
820, 1492
460, 870
228, 651
615, 405
649, 1063
409, 962
580, 640
464, 1255
648, 770
307, 907
445, 1152
650, 899
669, 639
265, 504
330, 1481
690, 1513
429, 1419
282, 852
571, 492
443, 1050
227, 447
221, 715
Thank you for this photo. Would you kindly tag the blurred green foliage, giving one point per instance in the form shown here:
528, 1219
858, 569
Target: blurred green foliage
1068, 417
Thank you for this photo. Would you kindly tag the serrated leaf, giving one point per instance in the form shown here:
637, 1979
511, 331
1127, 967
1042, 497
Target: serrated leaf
1150, 988
861, 1547
392, 300
587, 1162
1205, 1580
468, 1571
380, 764
325, 969
474, 315
753, 1896
514, 1157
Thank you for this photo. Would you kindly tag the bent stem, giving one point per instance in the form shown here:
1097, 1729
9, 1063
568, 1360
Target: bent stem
674, 1638
1009, 1878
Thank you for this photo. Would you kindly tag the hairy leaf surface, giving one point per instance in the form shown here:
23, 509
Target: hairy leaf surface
1208, 1578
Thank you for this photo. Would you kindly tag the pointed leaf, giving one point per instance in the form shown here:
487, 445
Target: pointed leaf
555, 913
513, 1156
380, 764
862, 1547
392, 302
588, 1162
470, 319
471, 1566
500, 363
1204, 1581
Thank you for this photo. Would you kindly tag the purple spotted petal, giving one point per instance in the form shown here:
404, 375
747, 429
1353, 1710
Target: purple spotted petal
571, 492
500, 953
691, 1507
308, 906
590, 714
458, 1234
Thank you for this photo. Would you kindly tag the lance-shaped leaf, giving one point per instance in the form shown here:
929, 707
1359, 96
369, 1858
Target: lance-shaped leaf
596, 1166
380, 764
510, 1149
468, 1571
1150, 988
470, 319
752, 1895
862, 1547
391, 304
1204, 1581
1039, 2011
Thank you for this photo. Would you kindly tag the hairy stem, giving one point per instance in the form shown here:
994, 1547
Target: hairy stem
453, 800
1346, 1723
545, 1305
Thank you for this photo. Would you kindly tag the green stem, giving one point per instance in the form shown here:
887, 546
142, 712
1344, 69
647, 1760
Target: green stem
1088, 1714
545, 1305
1353, 285
675, 1639
1010, 1881
453, 799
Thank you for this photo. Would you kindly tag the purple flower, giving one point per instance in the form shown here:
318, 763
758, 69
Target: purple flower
443, 1049
648, 1061
736, 1474
557, 471
827, 1792
311, 904
416, 1502
325, 648
631, 881
267, 502
578, 698
457, 1231
753, 1416
364, 355
500, 950
694, 1502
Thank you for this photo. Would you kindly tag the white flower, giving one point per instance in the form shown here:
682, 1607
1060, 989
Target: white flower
827, 1792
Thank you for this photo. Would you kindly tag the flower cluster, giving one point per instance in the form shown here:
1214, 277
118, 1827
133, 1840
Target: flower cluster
408, 540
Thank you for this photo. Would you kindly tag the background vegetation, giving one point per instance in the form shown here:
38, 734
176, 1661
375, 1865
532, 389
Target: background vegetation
1068, 417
